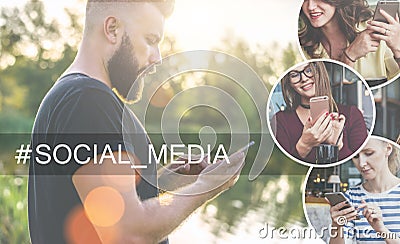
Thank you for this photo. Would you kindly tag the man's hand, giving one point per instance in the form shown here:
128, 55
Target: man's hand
218, 177
175, 176
188, 168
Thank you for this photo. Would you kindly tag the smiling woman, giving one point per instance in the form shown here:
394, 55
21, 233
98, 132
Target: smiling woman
343, 30
298, 133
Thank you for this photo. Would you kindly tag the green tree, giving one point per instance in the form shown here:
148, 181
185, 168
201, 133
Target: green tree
34, 52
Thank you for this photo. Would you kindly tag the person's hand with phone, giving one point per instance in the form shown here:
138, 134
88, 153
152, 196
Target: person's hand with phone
341, 213
175, 176
343, 210
336, 138
189, 168
314, 134
222, 175
388, 32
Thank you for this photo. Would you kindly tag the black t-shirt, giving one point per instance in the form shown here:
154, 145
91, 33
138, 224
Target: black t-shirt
78, 110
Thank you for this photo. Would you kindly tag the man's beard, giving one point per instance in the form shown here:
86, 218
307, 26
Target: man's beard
123, 70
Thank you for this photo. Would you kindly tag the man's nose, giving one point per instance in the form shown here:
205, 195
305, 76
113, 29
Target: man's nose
155, 56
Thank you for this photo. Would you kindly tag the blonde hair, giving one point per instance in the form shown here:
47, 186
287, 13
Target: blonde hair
394, 160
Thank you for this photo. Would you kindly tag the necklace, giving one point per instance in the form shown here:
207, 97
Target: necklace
306, 106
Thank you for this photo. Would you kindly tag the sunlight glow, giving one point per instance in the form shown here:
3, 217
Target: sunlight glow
204, 24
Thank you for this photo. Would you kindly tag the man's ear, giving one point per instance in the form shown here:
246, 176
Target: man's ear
111, 26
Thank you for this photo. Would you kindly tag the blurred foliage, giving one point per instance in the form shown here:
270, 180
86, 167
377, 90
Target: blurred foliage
13, 211
34, 51
14, 121
269, 62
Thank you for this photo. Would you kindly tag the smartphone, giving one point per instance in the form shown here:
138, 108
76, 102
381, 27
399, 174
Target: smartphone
390, 7
318, 107
336, 198
246, 147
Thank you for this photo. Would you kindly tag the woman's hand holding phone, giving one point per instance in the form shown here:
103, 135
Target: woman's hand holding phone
388, 32
314, 134
342, 210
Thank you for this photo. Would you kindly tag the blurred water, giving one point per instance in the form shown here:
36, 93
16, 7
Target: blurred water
274, 200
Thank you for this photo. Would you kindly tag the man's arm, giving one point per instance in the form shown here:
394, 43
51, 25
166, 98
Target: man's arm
151, 220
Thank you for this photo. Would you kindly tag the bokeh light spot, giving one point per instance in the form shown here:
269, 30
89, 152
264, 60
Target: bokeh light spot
104, 206
162, 97
78, 228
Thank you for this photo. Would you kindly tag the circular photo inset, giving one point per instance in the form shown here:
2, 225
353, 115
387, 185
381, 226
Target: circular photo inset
359, 200
362, 34
320, 113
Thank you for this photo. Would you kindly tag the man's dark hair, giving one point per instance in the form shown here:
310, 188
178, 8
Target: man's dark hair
166, 7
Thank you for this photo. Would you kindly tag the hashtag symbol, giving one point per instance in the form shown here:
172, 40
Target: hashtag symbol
23, 153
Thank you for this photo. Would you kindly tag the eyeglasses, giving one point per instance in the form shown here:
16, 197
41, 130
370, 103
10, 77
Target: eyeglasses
295, 76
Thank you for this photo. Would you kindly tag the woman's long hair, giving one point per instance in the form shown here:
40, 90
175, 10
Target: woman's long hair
349, 14
322, 87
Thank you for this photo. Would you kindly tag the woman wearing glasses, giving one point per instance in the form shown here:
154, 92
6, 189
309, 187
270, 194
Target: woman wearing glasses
343, 30
298, 133
372, 211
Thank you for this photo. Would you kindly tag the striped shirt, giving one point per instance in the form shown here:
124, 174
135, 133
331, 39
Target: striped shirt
360, 231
